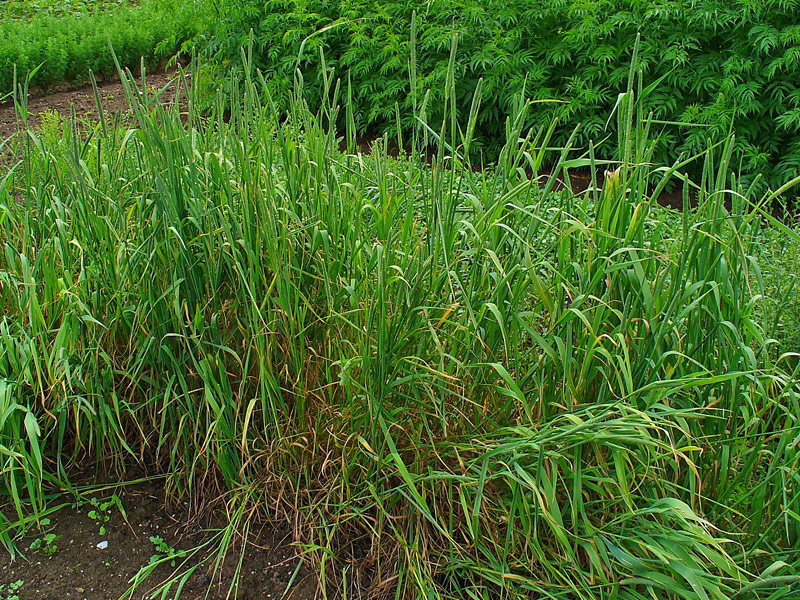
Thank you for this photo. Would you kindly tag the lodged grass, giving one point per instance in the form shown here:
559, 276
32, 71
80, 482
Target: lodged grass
460, 383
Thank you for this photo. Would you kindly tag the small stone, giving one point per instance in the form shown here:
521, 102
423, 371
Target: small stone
102, 545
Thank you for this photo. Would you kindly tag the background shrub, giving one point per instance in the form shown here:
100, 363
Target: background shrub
504, 390
26, 10
68, 47
722, 66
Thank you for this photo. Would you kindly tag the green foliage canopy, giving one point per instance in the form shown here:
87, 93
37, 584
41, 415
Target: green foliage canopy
723, 65
66, 46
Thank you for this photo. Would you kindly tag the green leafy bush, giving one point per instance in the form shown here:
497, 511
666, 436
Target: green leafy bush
724, 66
68, 47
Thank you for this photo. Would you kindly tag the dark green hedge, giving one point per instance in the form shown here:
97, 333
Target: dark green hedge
723, 62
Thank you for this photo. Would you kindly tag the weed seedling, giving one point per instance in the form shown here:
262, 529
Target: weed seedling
164, 551
9, 592
101, 513
47, 541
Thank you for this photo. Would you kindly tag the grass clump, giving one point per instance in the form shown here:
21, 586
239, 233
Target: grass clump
780, 255
459, 384
66, 47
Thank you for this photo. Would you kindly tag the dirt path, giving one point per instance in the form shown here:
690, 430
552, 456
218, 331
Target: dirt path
75, 567
82, 99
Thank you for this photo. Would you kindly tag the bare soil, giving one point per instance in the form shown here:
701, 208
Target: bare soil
80, 570
81, 99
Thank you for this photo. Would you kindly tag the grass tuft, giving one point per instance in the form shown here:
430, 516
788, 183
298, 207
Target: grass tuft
458, 383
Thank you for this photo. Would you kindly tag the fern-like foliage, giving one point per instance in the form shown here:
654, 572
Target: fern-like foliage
727, 66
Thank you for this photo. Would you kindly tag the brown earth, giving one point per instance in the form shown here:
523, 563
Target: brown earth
79, 570
82, 100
